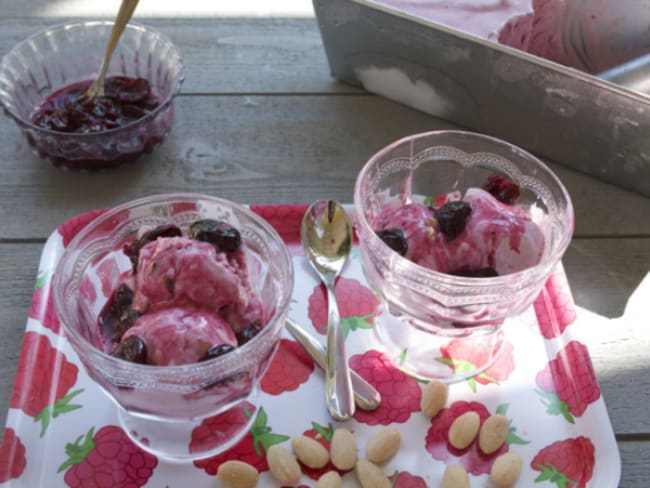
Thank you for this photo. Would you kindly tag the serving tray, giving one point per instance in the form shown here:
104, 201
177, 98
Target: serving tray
61, 430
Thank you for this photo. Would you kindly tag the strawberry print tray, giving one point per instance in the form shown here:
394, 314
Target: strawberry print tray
61, 430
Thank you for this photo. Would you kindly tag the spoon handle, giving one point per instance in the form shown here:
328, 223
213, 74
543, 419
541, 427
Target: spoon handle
365, 395
127, 7
338, 384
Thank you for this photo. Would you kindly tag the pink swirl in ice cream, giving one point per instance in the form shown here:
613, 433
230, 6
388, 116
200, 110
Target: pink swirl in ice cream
476, 235
190, 299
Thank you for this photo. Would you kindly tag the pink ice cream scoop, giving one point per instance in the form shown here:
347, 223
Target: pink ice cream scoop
183, 272
180, 336
590, 35
493, 236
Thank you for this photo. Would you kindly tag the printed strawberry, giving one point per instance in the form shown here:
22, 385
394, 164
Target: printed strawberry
323, 435
357, 306
400, 393
42, 306
290, 368
12, 456
43, 379
463, 355
285, 219
554, 307
72, 227
568, 384
567, 463
404, 479
437, 439
251, 449
107, 459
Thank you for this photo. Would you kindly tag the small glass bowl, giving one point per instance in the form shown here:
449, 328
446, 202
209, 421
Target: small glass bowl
161, 406
423, 310
71, 53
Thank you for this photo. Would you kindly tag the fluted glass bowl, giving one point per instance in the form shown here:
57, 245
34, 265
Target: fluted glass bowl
161, 407
71, 53
422, 309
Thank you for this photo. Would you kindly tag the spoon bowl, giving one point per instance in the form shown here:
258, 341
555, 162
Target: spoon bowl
326, 236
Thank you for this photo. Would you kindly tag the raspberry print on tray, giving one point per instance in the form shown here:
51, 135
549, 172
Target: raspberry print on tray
357, 306
39, 395
471, 458
291, 367
565, 463
568, 383
12, 456
106, 459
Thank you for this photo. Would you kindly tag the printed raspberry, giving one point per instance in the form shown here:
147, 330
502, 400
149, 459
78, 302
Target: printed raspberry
72, 227
323, 435
37, 392
107, 459
400, 393
554, 307
568, 383
404, 479
12, 456
567, 463
42, 306
463, 355
290, 368
251, 449
286, 220
437, 439
357, 306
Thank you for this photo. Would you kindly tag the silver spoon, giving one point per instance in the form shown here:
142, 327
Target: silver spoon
366, 396
96, 88
326, 236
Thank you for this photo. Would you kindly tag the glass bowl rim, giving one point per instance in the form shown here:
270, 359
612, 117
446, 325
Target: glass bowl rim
180, 369
95, 23
465, 281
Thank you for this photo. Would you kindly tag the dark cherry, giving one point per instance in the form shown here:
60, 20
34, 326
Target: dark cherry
132, 250
503, 189
131, 349
395, 239
221, 234
216, 351
452, 218
117, 315
248, 332
487, 272
125, 100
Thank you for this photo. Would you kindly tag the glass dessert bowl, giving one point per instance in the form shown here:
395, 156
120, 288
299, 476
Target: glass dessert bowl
42, 76
458, 233
188, 369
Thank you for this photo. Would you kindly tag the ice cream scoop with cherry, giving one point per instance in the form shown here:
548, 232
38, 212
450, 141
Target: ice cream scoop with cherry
479, 234
187, 300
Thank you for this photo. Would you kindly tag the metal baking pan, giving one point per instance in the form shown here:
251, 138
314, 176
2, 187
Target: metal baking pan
579, 120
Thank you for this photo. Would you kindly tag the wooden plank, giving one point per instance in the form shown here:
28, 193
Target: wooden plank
261, 149
262, 55
636, 459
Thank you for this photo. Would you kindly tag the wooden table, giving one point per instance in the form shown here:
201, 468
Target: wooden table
260, 120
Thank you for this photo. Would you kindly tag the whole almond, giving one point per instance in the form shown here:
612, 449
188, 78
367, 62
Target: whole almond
283, 464
464, 429
343, 449
434, 397
493, 433
455, 476
370, 475
237, 474
310, 452
383, 444
331, 479
506, 469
